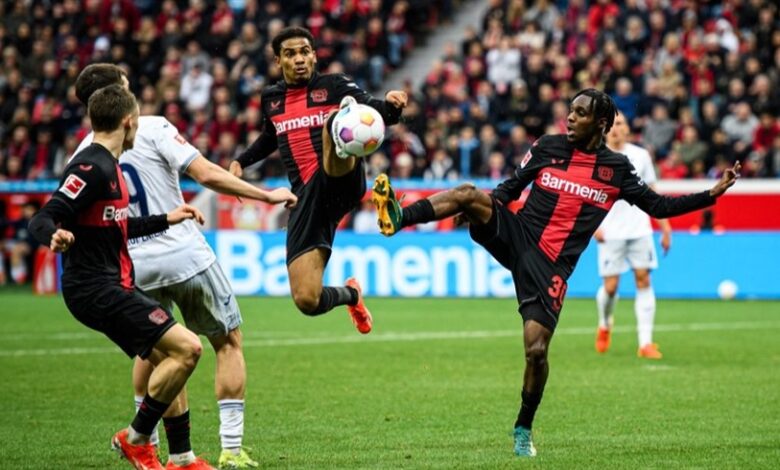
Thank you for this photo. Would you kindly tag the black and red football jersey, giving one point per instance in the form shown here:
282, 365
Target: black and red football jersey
91, 202
573, 191
293, 117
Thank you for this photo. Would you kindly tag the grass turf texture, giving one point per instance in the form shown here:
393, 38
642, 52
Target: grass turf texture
435, 385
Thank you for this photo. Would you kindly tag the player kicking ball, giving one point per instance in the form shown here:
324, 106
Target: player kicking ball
297, 115
625, 238
177, 266
91, 209
576, 180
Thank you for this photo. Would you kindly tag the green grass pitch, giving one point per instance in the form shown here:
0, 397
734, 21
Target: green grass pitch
435, 385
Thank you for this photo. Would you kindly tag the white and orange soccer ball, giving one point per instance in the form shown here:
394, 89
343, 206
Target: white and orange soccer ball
358, 130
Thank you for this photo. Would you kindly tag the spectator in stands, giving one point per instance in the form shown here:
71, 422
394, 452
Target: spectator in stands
658, 132
672, 167
441, 167
196, 88
690, 148
625, 98
503, 63
740, 126
21, 245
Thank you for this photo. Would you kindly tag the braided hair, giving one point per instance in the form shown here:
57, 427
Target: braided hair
603, 106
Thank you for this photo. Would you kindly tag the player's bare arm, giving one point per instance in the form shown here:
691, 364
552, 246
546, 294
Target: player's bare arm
216, 178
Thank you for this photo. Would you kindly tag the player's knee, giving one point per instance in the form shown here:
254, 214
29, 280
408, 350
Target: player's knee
306, 301
536, 355
191, 353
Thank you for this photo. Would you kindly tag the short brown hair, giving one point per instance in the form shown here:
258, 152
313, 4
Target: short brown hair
108, 106
95, 77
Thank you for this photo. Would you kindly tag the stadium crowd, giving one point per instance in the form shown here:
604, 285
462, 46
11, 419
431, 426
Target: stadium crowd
697, 80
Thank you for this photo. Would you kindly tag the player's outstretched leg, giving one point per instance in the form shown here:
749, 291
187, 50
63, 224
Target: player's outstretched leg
361, 317
313, 299
335, 161
466, 199
230, 386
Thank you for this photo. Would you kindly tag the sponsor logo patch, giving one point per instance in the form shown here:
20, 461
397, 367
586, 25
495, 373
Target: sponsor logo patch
85, 167
180, 139
605, 173
526, 159
158, 317
319, 95
275, 105
73, 186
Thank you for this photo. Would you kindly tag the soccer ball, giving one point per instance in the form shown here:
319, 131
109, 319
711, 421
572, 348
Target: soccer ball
358, 130
727, 289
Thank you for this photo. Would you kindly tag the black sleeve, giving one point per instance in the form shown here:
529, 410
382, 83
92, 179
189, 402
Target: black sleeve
80, 186
263, 146
523, 175
344, 86
44, 223
636, 191
140, 226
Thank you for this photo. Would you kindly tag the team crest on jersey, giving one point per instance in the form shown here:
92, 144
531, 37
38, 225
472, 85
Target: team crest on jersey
526, 159
319, 96
73, 186
605, 173
158, 317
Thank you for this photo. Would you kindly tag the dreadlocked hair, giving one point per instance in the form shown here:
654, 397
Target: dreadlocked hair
603, 106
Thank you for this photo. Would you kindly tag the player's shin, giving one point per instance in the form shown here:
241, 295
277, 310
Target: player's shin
177, 429
419, 212
606, 305
154, 439
644, 307
149, 413
231, 424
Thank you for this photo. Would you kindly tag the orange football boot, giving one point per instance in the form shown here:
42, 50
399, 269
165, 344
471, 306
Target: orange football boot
141, 457
603, 339
649, 351
361, 317
198, 464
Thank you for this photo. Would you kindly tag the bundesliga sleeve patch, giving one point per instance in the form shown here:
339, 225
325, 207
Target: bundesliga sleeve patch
73, 186
526, 159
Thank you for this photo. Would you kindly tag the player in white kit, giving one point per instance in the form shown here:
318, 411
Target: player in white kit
625, 239
178, 266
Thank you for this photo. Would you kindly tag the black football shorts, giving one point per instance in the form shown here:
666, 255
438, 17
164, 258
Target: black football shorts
322, 203
129, 318
540, 285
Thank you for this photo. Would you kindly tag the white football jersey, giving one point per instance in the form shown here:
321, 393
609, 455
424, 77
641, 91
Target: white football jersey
625, 221
151, 170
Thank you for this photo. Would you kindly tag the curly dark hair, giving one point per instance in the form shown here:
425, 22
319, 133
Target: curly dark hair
603, 106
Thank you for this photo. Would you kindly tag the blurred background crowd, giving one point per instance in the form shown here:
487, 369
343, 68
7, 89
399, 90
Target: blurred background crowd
696, 79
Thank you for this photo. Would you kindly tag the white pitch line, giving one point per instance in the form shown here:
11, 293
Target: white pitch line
421, 336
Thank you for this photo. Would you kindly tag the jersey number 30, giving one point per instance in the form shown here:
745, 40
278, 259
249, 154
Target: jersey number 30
138, 195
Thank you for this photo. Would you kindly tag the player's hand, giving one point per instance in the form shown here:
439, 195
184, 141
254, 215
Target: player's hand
61, 241
461, 220
284, 195
397, 98
185, 212
598, 235
666, 241
235, 169
726, 181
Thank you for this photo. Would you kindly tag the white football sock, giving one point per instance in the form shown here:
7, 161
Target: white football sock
605, 305
154, 438
182, 460
231, 423
644, 307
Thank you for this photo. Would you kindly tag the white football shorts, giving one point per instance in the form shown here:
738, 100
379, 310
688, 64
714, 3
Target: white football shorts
206, 302
616, 256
